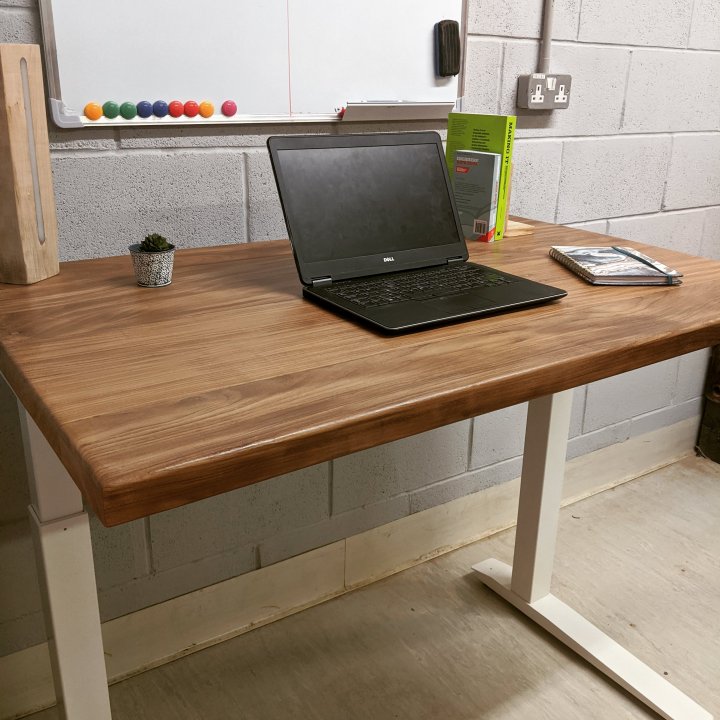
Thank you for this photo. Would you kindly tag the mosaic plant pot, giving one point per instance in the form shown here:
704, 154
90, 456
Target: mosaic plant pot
152, 269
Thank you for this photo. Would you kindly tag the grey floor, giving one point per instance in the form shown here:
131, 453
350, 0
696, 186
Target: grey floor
641, 561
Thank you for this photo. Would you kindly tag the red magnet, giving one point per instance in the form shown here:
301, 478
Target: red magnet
175, 108
191, 108
229, 108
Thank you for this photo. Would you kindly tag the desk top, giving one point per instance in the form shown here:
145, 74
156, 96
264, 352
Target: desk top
153, 398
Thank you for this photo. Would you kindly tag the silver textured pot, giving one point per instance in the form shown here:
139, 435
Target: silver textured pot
152, 269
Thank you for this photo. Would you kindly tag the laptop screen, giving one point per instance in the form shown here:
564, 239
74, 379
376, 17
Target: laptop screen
364, 200
364, 204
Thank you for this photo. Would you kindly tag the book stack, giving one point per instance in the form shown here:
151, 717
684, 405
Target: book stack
482, 199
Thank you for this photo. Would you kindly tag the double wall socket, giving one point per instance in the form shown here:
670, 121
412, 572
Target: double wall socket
543, 92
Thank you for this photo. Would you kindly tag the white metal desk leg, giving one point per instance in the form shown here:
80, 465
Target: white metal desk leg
67, 579
527, 584
543, 471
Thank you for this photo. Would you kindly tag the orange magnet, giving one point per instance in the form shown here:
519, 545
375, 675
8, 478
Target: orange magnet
207, 109
93, 111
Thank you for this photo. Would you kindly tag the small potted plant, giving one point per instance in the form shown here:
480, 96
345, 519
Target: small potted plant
153, 261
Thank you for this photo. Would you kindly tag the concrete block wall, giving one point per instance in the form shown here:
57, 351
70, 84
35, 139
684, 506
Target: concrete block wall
637, 155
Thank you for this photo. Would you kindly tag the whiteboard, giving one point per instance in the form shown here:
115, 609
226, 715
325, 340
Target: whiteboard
277, 60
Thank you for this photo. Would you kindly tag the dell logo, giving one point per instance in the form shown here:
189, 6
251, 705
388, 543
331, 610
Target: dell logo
389, 259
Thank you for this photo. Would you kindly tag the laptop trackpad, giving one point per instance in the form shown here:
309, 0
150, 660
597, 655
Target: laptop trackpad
467, 302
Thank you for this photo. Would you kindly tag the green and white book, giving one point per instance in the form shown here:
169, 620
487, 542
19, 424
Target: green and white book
485, 133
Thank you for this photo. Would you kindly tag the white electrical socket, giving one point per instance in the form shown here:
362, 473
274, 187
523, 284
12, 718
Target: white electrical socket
543, 92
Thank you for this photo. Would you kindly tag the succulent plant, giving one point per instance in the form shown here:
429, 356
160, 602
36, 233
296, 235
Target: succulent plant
155, 243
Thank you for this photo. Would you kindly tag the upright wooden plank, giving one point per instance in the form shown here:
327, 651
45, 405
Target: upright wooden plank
28, 224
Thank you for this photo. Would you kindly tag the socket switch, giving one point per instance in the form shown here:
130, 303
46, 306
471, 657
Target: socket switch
543, 92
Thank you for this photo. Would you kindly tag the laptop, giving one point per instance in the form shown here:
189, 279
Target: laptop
376, 235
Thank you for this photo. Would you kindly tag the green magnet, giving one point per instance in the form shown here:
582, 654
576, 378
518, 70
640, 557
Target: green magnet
111, 109
128, 110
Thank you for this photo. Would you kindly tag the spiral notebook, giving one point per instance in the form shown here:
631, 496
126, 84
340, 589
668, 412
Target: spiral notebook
614, 266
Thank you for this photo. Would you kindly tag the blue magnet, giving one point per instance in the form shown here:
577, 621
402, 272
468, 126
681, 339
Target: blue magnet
144, 109
160, 108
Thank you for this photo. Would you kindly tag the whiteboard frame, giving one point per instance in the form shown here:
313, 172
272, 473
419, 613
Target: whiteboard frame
354, 111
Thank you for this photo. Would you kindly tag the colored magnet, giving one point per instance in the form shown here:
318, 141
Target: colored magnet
160, 108
144, 109
207, 109
110, 109
175, 108
128, 110
229, 108
93, 111
191, 108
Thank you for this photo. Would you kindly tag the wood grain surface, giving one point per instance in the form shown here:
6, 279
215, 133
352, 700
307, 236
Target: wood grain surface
153, 398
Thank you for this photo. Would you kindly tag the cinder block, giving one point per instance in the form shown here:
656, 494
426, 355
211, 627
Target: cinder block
589, 442
377, 474
711, 234
265, 216
242, 517
22, 632
595, 226
193, 198
483, 63
158, 587
520, 18
232, 136
535, 180
285, 545
498, 436
705, 27
694, 173
598, 79
465, 484
19, 590
121, 553
578, 411
625, 396
13, 477
105, 138
673, 230
663, 23
659, 97
692, 371
665, 417
606, 177
19, 25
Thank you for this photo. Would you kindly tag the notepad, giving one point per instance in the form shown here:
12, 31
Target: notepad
614, 266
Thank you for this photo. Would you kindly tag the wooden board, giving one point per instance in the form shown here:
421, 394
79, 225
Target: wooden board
28, 223
153, 398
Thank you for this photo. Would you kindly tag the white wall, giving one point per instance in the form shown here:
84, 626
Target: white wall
636, 155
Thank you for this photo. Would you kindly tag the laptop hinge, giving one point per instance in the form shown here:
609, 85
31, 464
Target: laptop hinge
452, 260
322, 281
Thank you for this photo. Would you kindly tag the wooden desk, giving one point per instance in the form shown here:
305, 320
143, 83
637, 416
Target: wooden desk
156, 398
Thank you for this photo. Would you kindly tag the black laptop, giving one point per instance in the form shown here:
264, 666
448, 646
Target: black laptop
376, 234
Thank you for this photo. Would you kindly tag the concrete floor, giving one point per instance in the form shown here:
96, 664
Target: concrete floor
641, 561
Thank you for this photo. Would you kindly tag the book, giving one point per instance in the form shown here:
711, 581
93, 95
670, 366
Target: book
485, 133
475, 180
614, 266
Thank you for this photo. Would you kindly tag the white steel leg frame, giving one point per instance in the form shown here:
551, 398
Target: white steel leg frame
527, 583
67, 579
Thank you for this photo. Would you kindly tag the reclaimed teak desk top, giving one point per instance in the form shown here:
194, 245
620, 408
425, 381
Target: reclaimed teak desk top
153, 398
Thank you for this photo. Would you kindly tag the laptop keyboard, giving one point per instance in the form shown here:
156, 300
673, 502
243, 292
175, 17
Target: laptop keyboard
417, 284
